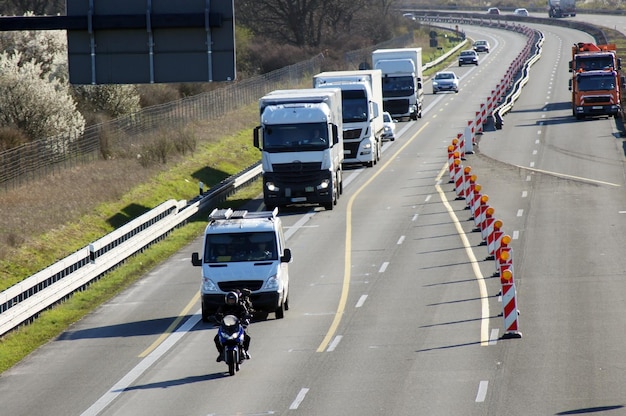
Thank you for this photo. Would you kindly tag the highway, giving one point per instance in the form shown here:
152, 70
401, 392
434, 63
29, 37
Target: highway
394, 309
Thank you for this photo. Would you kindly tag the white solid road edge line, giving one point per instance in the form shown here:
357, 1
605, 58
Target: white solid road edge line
143, 365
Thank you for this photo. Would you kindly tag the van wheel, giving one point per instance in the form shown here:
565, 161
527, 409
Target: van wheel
280, 312
205, 314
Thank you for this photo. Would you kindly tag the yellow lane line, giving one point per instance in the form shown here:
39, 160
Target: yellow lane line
172, 327
348, 250
482, 287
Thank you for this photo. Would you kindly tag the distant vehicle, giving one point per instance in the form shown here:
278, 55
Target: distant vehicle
481, 46
389, 132
521, 12
561, 8
469, 57
493, 10
445, 81
403, 90
410, 16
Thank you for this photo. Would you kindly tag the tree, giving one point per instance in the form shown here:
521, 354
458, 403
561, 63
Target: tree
297, 22
37, 106
115, 99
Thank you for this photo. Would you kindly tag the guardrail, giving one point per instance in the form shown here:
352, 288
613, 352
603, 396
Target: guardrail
26, 300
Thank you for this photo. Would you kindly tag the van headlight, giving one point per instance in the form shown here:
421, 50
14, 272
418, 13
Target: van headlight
273, 283
208, 285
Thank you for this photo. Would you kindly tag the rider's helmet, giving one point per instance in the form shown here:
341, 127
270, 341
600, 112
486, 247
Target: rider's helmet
232, 298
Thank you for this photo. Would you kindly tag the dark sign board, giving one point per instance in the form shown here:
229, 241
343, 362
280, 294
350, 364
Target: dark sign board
150, 41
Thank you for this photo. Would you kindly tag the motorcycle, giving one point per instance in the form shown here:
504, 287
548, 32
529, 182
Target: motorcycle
231, 334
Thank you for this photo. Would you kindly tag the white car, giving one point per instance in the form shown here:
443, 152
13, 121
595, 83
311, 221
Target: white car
389, 129
521, 12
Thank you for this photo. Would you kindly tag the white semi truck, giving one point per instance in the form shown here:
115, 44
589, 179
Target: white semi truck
362, 108
403, 91
301, 143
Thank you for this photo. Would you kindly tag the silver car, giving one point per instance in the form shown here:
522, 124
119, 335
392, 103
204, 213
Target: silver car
389, 129
445, 81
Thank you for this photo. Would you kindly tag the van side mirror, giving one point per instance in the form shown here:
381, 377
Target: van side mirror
335, 134
570, 84
286, 257
419, 86
195, 259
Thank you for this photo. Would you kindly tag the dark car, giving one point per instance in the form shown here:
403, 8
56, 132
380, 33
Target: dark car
469, 57
481, 46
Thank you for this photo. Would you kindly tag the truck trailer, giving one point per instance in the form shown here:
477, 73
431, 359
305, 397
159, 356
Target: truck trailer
403, 92
301, 143
362, 109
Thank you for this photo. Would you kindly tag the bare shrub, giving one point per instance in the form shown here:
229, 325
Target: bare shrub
11, 137
156, 152
268, 56
184, 141
155, 94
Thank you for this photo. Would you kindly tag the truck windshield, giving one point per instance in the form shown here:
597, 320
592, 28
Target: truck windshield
594, 83
295, 137
237, 247
594, 62
398, 86
354, 106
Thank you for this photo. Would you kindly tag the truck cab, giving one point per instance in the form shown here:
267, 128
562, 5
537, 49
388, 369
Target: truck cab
244, 250
301, 144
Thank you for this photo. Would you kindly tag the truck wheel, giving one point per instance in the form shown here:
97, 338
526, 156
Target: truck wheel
340, 182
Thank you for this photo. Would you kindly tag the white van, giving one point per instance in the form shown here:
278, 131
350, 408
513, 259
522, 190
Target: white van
244, 250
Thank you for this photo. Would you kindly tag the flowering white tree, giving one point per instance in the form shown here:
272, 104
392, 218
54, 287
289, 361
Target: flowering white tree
114, 100
38, 105
35, 95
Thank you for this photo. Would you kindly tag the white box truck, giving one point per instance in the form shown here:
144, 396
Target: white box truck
403, 92
244, 251
301, 143
362, 108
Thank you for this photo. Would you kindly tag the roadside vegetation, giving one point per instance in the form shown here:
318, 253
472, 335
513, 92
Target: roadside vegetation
49, 219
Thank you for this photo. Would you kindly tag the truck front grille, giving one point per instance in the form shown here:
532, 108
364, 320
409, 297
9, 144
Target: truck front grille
597, 99
298, 172
352, 133
396, 106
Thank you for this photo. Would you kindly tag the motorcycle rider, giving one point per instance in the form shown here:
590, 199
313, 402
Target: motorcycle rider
233, 306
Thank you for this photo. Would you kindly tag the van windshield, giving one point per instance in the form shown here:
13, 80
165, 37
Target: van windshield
237, 247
